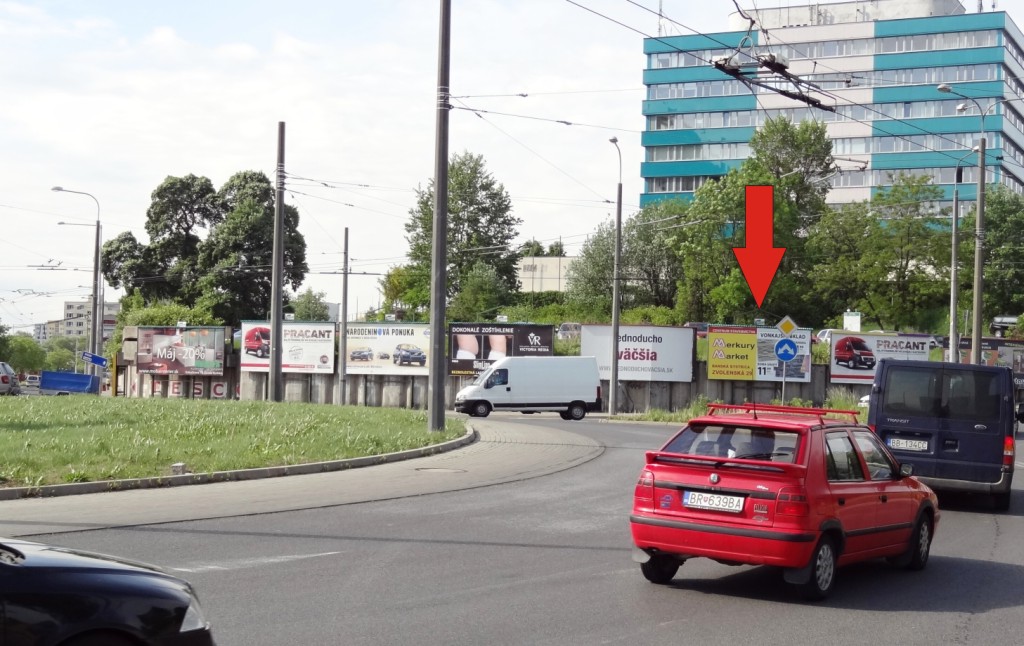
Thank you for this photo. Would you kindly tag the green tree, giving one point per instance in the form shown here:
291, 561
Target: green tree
531, 248
25, 354
1004, 254
310, 306
483, 292
227, 270
481, 228
235, 260
556, 249
4, 340
892, 253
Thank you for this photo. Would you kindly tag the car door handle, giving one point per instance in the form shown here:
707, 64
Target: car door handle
884, 498
842, 501
508, 389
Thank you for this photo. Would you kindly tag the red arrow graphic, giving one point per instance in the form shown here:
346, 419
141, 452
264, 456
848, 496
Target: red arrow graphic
760, 258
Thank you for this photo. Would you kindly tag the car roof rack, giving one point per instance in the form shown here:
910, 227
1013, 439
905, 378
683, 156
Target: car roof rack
820, 413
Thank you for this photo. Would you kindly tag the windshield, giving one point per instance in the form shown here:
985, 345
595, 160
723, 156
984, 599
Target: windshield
482, 377
735, 442
860, 346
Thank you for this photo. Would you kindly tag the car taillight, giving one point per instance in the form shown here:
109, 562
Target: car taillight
645, 486
792, 501
1008, 451
4, 379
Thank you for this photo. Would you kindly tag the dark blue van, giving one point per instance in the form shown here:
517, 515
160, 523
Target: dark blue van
954, 422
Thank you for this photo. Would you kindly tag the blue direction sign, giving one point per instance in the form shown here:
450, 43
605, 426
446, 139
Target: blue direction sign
102, 361
785, 350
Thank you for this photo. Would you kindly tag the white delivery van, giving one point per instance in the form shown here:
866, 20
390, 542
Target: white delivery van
569, 386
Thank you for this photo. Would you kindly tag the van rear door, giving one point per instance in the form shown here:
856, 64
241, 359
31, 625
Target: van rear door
949, 423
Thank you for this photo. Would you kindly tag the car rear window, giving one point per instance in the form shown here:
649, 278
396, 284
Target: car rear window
960, 394
734, 441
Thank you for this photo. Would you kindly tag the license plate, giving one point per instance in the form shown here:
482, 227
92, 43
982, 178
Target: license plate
719, 502
908, 445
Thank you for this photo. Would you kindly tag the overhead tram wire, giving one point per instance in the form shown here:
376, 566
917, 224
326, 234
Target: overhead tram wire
538, 155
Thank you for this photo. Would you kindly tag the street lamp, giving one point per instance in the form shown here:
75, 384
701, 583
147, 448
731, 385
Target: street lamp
613, 382
979, 225
95, 340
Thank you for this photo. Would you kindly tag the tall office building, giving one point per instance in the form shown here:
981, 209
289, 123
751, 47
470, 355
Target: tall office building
878, 63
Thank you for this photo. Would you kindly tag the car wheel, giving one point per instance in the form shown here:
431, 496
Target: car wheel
1001, 501
481, 409
823, 571
395, 360
564, 414
660, 569
577, 411
920, 544
104, 639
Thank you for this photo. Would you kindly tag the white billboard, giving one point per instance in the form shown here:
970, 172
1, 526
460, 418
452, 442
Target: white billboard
855, 355
387, 348
306, 347
646, 352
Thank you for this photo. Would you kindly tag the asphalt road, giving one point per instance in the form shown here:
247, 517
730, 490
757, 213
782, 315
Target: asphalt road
520, 539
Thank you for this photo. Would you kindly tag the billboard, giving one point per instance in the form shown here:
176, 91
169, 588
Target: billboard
747, 353
307, 347
646, 352
853, 356
387, 348
996, 352
180, 351
472, 347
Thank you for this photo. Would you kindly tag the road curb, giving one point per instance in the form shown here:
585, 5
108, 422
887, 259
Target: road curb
78, 488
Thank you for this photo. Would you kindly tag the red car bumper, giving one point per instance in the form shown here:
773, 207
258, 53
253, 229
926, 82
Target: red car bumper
753, 546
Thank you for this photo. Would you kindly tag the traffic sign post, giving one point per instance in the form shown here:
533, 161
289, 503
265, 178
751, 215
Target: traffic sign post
785, 351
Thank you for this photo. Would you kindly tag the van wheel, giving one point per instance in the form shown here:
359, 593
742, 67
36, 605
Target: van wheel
660, 569
577, 411
823, 571
481, 409
564, 414
1001, 501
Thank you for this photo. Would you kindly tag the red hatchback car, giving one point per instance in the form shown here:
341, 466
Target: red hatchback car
796, 488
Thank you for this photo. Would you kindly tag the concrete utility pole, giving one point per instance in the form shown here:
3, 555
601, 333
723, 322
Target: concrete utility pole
277, 278
439, 252
343, 315
613, 380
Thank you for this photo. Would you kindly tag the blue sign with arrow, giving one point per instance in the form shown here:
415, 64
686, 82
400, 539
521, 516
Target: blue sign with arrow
785, 350
97, 360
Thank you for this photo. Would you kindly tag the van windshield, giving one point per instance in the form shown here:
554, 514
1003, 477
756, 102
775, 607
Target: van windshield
961, 395
482, 377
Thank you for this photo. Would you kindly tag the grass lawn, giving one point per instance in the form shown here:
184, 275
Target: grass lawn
56, 440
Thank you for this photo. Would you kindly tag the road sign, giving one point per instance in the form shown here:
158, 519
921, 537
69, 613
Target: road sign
94, 359
787, 325
785, 350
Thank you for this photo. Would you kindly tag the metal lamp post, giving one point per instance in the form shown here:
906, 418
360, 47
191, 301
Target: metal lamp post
613, 381
96, 331
979, 225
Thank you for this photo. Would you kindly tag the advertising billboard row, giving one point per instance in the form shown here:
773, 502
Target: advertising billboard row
387, 349
646, 352
184, 351
307, 347
747, 353
473, 347
996, 352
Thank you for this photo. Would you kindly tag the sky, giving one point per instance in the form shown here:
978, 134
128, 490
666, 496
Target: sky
110, 97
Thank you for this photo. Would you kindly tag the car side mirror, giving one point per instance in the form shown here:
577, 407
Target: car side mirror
906, 470
1020, 412
489, 383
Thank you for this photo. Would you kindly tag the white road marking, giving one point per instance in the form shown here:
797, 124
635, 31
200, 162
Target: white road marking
241, 564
